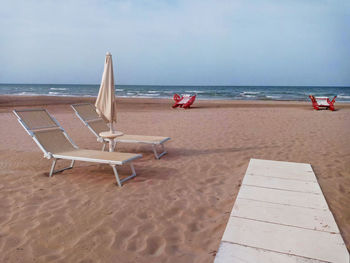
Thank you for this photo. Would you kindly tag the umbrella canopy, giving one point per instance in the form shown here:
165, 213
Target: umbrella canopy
105, 102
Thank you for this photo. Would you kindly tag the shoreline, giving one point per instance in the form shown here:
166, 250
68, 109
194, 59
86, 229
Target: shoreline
215, 93
23, 100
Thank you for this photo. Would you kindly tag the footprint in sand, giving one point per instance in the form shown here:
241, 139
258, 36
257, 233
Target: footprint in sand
154, 246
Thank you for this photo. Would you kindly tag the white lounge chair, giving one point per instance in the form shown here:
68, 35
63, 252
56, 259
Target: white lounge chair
86, 112
53, 140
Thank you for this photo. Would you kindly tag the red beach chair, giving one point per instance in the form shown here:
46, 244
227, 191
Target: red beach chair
184, 101
322, 102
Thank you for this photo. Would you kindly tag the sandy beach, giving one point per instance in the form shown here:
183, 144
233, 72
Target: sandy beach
177, 208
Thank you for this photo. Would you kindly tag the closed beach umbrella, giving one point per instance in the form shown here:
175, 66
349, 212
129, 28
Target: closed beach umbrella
105, 103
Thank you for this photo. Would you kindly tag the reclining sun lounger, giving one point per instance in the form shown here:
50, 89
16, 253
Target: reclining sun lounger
185, 101
86, 112
322, 102
53, 140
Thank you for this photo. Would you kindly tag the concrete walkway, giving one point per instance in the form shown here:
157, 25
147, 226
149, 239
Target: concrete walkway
281, 216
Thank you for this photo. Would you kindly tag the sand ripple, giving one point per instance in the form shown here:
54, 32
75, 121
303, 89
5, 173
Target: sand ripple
177, 208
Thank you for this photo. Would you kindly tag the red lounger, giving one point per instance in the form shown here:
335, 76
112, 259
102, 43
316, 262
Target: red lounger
185, 101
322, 102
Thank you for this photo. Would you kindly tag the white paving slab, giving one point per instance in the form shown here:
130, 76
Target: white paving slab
284, 170
281, 215
234, 253
277, 196
283, 184
286, 239
308, 200
313, 219
271, 164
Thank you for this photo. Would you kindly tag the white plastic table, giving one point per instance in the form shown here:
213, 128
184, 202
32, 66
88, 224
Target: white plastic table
110, 136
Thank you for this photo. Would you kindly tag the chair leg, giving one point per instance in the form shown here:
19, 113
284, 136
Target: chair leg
119, 182
104, 146
52, 170
132, 175
133, 170
157, 156
52, 167
116, 176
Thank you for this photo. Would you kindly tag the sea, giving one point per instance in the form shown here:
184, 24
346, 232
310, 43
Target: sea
277, 93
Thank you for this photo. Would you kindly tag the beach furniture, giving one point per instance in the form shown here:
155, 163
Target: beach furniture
281, 215
322, 102
53, 140
105, 103
86, 112
185, 101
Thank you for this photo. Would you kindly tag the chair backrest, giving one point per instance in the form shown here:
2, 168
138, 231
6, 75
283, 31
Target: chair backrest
312, 99
192, 99
86, 112
333, 100
45, 131
177, 97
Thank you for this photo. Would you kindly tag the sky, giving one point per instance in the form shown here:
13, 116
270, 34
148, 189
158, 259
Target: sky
178, 42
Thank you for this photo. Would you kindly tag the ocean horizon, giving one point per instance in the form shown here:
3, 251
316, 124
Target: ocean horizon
277, 93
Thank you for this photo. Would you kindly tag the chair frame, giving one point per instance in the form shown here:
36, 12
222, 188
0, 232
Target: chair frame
317, 106
57, 157
177, 98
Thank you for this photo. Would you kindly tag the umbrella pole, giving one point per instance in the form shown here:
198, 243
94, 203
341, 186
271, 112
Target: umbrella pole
111, 128
111, 141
